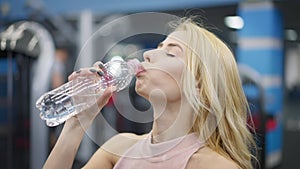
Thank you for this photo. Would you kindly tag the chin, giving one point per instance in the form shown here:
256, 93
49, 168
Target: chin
141, 92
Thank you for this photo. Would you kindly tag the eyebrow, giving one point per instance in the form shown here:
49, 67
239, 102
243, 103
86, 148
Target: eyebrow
169, 45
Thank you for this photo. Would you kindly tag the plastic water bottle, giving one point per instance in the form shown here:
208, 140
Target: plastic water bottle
73, 97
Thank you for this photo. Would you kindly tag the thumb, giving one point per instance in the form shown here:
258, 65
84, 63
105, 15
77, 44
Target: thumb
103, 100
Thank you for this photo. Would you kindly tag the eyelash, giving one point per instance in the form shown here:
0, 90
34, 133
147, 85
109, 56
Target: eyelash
168, 54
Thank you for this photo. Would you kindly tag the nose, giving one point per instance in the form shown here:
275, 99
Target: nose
149, 55
146, 56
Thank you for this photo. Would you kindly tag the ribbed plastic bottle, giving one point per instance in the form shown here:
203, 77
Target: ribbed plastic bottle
73, 97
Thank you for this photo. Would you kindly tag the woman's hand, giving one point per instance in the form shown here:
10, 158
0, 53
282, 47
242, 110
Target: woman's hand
64, 151
87, 116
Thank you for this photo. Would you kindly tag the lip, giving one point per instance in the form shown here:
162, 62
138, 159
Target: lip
140, 70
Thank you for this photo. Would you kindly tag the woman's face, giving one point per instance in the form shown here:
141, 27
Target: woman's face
163, 68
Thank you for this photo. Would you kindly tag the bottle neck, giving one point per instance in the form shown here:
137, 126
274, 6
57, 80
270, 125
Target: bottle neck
133, 66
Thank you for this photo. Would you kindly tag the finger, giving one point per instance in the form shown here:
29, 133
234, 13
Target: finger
82, 72
108, 92
99, 72
71, 76
98, 65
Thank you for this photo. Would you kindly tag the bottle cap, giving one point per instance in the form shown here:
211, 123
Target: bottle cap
117, 58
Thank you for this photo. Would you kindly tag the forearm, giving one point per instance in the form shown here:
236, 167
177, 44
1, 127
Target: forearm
63, 153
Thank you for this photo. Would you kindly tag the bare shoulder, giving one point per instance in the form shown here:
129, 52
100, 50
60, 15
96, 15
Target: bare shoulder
110, 152
207, 158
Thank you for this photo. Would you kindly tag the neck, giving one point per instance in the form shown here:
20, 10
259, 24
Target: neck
171, 121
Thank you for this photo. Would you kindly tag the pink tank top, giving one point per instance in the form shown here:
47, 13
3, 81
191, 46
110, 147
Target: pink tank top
173, 154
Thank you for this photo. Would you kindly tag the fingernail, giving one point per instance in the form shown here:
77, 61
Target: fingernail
93, 70
100, 73
100, 65
78, 71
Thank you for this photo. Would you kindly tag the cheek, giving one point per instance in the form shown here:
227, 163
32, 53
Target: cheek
158, 80
172, 68
170, 82
166, 78
175, 73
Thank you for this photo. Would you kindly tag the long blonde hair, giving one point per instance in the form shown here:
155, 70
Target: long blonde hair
213, 87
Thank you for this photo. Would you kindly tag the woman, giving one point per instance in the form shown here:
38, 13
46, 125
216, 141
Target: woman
200, 110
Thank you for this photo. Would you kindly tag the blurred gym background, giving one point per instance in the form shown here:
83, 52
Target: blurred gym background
41, 43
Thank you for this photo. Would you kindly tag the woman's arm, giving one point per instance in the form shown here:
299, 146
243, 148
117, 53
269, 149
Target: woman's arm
65, 149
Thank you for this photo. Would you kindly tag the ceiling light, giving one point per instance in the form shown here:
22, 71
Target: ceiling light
234, 22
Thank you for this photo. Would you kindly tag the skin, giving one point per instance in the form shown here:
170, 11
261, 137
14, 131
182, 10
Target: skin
58, 79
160, 83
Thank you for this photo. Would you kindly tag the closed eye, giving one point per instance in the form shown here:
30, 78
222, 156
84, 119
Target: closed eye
171, 55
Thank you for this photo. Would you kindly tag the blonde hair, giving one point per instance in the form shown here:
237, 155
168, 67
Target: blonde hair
213, 87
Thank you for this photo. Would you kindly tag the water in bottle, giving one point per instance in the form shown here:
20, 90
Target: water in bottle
79, 94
